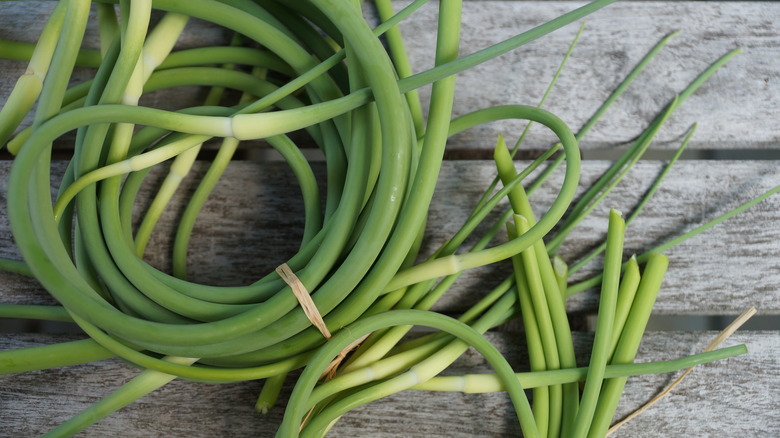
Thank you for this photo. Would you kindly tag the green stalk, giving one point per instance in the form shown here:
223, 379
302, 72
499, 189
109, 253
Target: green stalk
62, 61
608, 176
635, 153
401, 61
596, 279
51, 356
625, 297
488, 383
547, 327
561, 271
456, 263
29, 86
528, 126
596, 116
427, 359
549, 304
536, 350
179, 169
604, 325
645, 199
500, 48
629, 342
15, 266
108, 27
297, 406
35, 311
136, 388
270, 393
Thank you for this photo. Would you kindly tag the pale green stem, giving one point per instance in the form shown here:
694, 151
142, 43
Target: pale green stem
144, 383
29, 86
600, 353
628, 345
489, 383
645, 199
626, 294
270, 392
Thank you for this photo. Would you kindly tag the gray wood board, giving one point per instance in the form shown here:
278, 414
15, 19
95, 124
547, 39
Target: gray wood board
735, 397
253, 221
735, 109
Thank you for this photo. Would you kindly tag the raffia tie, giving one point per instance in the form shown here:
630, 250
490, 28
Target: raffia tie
313, 314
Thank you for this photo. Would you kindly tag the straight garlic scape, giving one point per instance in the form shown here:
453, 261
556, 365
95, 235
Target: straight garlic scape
315, 68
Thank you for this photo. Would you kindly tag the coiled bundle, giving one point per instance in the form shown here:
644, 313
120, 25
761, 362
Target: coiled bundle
380, 181
369, 150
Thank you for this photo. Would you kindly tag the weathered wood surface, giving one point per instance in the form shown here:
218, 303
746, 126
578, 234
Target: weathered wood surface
246, 230
735, 109
732, 108
735, 397
721, 272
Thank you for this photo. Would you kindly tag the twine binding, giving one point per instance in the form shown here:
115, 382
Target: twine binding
304, 299
311, 311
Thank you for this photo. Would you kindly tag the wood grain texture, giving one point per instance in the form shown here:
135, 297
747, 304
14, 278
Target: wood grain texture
253, 220
705, 272
735, 109
729, 109
735, 397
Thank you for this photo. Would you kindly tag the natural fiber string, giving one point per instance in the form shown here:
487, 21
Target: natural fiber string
722, 336
330, 370
303, 297
311, 311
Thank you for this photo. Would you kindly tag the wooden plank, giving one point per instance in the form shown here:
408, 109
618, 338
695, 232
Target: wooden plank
247, 229
738, 396
721, 272
710, 404
735, 110
708, 274
23, 22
